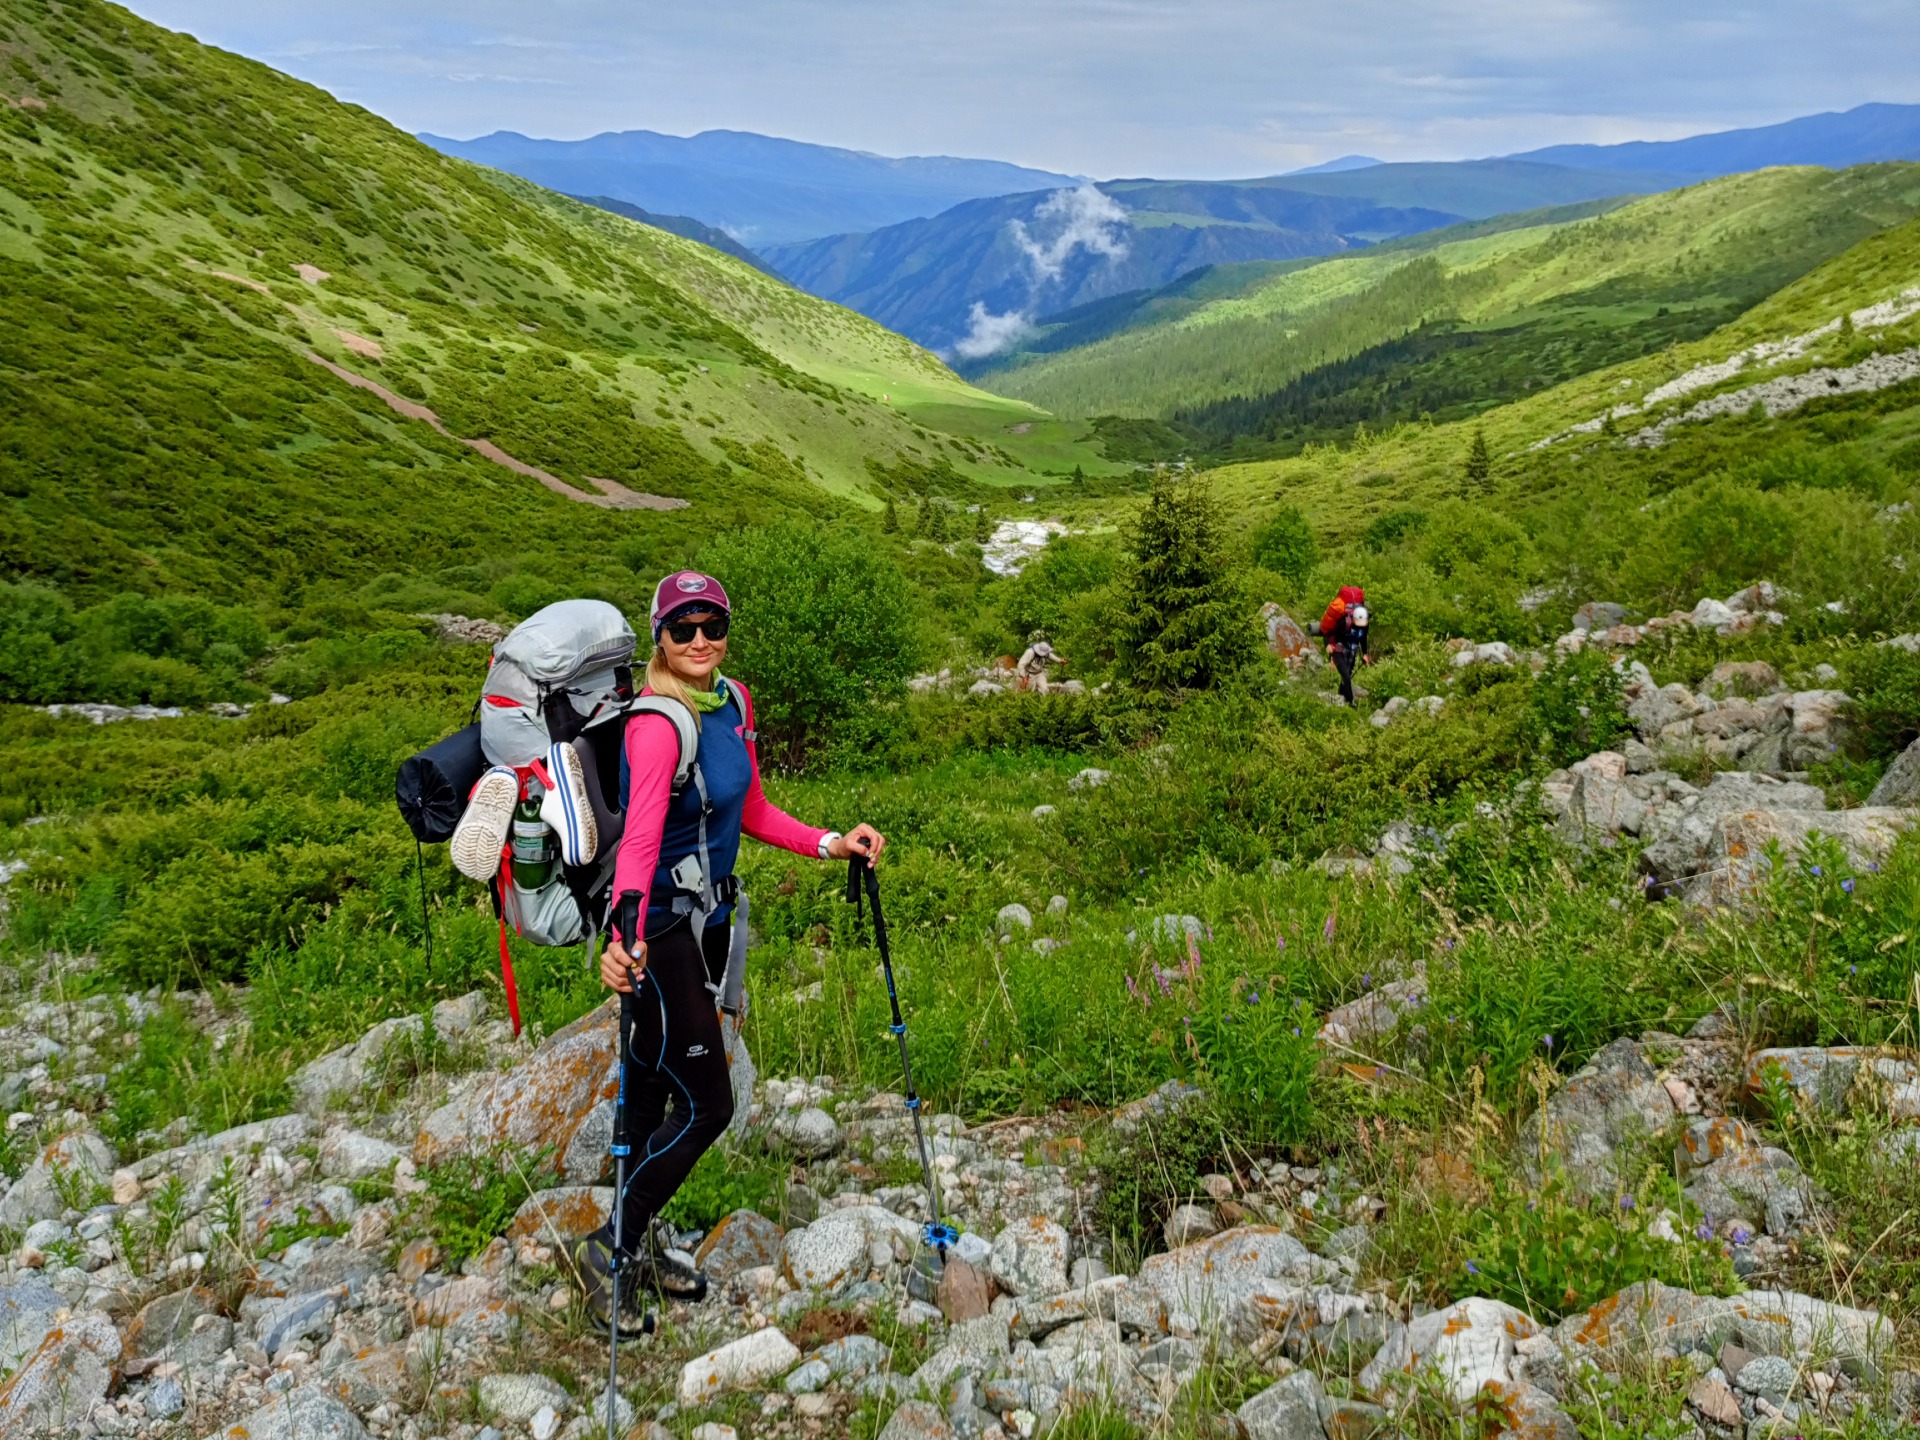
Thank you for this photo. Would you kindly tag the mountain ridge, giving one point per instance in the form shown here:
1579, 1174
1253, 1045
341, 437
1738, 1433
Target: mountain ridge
760, 189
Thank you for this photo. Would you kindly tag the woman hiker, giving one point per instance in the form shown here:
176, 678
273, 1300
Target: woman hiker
677, 1056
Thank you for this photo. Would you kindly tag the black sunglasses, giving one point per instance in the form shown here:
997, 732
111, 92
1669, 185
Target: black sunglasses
681, 631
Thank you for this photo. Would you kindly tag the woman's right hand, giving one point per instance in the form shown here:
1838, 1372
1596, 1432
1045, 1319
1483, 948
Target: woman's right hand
618, 969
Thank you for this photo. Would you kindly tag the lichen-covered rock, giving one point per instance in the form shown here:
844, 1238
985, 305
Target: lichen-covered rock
28, 1310
185, 1327
1527, 1413
473, 1304
918, 1420
1616, 1098
837, 1247
741, 1241
59, 1382
1294, 1407
566, 1212
745, 1362
1785, 1322
1215, 1279
809, 1134
349, 1155
1900, 786
543, 1101
1647, 1319
518, 1398
1030, 1257
304, 1413
1468, 1344
80, 1160
1738, 854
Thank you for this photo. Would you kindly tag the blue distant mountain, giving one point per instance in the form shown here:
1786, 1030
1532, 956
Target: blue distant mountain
759, 189
1859, 136
1340, 166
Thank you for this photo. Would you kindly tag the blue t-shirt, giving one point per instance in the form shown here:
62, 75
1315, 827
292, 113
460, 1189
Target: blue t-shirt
728, 770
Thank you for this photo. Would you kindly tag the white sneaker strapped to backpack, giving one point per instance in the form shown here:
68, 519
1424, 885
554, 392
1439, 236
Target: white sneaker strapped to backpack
533, 821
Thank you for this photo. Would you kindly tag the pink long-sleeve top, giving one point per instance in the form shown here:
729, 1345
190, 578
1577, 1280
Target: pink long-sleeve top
663, 828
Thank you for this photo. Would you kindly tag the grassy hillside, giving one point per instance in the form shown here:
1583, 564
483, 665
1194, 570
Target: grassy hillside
1577, 504
184, 233
1502, 313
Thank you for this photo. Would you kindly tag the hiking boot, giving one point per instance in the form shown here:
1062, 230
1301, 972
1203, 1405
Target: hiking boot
669, 1270
593, 1269
566, 808
481, 835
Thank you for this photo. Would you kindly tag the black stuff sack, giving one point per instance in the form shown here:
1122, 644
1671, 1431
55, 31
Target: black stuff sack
432, 787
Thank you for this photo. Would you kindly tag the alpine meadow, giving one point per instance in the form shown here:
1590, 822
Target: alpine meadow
1529, 1047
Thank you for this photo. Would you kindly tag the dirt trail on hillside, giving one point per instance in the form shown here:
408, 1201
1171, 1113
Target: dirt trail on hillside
616, 496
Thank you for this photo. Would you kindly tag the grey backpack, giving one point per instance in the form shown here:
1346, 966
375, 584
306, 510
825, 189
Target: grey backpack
560, 671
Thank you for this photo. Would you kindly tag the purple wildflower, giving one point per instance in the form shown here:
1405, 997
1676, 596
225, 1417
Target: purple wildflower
1626, 1202
1847, 885
1547, 1040
1853, 969
1133, 989
1472, 1269
1741, 1235
1704, 1230
1296, 1029
1366, 981
1283, 944
1816, 870
1326, 930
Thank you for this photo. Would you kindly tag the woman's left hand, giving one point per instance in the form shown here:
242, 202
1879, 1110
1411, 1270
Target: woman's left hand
861, 840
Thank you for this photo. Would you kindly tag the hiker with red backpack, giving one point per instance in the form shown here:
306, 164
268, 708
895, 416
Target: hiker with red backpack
673, 956
1344, 628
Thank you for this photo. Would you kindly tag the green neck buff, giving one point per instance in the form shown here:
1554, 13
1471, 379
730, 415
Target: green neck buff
707, 701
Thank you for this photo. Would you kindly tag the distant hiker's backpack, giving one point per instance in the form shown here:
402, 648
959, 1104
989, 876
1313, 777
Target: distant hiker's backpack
1330, 622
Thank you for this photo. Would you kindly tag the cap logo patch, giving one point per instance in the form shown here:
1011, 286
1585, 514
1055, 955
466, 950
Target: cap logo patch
691, 584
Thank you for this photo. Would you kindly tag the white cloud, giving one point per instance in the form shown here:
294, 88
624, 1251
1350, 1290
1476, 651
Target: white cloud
989, 334
1090, 220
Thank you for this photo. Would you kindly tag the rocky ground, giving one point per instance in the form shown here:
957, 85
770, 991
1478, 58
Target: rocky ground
278, 1280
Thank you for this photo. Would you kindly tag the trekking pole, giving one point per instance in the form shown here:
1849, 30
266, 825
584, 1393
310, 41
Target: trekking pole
940, 1237
628, 919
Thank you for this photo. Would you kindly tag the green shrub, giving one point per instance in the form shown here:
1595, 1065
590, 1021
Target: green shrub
1550, 1253
1576, 707
472, 1198
822, 627
1284, 543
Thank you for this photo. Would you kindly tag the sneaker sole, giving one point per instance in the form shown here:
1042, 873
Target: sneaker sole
579, 833
482, 832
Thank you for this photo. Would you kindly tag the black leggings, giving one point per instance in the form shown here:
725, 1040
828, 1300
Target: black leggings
1343, 658
677, 1058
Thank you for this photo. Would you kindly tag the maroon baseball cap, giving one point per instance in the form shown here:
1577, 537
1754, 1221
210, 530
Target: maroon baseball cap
686, 592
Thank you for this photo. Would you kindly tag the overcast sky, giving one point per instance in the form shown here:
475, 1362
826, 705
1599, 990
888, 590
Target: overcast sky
1187, 88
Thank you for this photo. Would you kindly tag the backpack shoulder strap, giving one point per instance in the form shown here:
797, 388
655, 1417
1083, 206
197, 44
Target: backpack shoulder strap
745, 702
684, 726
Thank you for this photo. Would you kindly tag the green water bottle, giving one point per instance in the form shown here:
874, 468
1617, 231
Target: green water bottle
535, 850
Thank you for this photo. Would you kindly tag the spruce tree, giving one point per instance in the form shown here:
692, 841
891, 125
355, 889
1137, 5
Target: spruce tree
982, 525
1184, 621
890, 519
1479, 461
936, 526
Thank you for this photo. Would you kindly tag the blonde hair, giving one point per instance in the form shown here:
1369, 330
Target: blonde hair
662, 681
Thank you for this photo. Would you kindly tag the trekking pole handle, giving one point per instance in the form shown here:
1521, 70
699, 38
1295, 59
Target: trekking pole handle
626, 919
